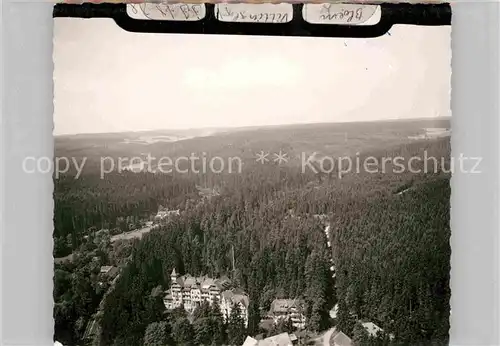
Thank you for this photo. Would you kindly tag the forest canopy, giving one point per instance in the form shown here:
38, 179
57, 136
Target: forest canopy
387, 241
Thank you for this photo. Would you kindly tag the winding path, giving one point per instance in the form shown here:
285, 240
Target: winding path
329, 244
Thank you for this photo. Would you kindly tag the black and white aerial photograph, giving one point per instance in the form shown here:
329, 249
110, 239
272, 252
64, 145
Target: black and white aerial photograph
251, 191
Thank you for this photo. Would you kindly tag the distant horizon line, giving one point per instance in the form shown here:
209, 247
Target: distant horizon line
248, 126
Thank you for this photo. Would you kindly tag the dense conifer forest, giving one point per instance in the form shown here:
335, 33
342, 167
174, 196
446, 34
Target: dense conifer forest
388, 244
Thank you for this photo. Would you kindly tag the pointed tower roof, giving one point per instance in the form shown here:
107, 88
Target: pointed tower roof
173, 273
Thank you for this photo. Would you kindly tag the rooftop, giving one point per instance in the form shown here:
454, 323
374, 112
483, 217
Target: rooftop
282, 339
164, 213
286, 305
340, 339
188, 282
109, 271
249, 341
236, 296
372, 328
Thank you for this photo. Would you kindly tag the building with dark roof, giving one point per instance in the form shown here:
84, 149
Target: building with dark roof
293, 309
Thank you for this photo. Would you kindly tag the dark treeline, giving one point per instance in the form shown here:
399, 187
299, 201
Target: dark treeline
283, 256
390, 244
119, 200
392, 259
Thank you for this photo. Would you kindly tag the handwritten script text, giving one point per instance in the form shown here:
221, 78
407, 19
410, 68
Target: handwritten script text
251, 14
327, 14
163, 11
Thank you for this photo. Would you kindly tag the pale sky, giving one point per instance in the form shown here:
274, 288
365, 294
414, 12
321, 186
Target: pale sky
110, 80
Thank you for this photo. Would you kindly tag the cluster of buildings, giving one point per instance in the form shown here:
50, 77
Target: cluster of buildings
190, 292
165, 214
293, 309
331, 338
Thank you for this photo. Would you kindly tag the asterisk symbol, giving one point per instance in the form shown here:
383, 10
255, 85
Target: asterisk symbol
280, 158
262, 157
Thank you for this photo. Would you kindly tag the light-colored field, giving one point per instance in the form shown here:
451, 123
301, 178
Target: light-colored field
68, 258
131, 235
432, 132
155, 139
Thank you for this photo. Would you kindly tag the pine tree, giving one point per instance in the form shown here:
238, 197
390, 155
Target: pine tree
236, 332
183, 332
203, 310
284, 325
202, 331
360, 336
217, 323
345, 321
253, 317
157, 334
